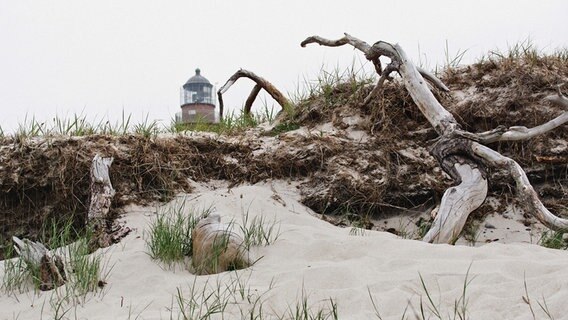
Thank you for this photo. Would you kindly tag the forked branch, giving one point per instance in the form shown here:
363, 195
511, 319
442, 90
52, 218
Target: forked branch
260, 83
532, 203
373, 54
524, 133
458, 152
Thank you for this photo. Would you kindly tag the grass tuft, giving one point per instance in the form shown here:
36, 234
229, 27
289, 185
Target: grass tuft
553, 240
169, 237
258, 231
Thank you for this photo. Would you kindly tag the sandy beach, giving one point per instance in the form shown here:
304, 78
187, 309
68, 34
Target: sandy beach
314, 261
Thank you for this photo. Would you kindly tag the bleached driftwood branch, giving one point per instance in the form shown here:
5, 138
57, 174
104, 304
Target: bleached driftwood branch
367, 50
523, 133
526, 192
465, 197
38, 257
458, 152
260, 83
102, 191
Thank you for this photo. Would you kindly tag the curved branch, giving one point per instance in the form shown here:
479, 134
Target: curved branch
532, 203
373, 53
391, 67
252, 96
437, 115
347, 39
524, 133
263, 83
456, 205
433, 79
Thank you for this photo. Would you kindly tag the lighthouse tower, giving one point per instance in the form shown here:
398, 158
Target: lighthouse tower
197, 100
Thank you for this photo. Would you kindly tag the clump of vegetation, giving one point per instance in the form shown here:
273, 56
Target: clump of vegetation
553, 240
231, 124
170, 236
84, 271
235, 297
258, 231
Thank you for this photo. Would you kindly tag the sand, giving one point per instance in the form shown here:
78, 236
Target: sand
315, 260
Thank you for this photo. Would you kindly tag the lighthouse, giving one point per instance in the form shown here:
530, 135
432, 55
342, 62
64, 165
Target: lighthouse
197, 100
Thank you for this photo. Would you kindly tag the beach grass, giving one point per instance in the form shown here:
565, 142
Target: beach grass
258, 231
169, 237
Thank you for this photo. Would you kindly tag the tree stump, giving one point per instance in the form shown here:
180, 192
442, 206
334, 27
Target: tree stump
216, 248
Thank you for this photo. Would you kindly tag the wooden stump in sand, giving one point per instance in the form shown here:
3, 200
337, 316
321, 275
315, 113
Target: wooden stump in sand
215, 248
37, 256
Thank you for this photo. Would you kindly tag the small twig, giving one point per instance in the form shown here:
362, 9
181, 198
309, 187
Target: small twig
433, 79
391, 67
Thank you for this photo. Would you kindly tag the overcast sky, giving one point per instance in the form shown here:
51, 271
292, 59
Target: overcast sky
102, 57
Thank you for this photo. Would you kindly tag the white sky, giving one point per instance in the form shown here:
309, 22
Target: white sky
102, 57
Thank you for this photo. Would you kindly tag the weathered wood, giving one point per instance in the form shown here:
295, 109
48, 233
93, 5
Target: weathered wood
216, 248
442, 121
456, 205
102, 191
373, 54
263, 83
250, 100
433, 79
523, 133
379, 86
459, 152
38, 257
526, 192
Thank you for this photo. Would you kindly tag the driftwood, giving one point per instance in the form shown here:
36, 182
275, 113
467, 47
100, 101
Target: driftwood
50, 266
261, 83
461, 154
101, 189
38, 257
215, 248
102, 193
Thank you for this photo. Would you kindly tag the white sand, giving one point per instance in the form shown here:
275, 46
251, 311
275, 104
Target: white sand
323, 261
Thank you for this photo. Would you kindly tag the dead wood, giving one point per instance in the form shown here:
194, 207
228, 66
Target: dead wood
102, 191
216, 248
371, 55
261, 83
102, 194
526, 192
38, 257
523, 133
454, 150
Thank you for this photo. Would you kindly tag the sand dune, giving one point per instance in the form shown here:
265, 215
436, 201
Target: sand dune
318, 261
